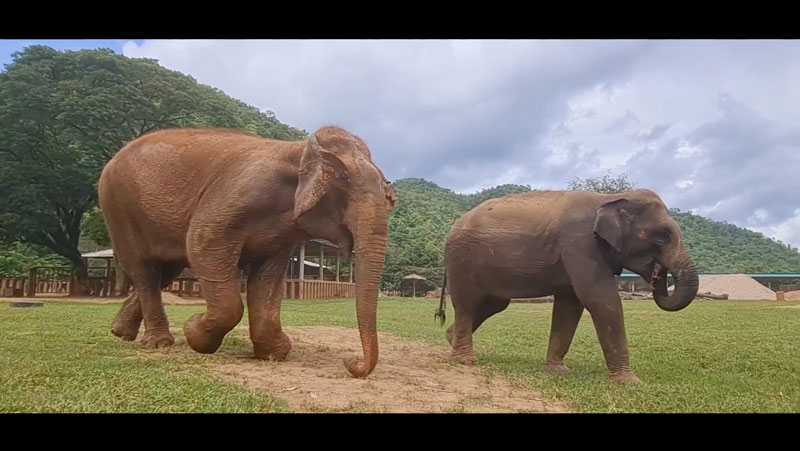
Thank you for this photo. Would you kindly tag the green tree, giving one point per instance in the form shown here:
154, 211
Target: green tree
63, 115
605, 184
94, 227
17, 258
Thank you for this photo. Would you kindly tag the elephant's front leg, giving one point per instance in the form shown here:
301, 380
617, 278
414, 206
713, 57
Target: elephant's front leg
204, 332
214, 257
264, 294
597, 290
567, 311
610, 326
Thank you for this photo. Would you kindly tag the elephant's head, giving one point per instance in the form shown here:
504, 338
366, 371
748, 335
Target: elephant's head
644, 238
341, 195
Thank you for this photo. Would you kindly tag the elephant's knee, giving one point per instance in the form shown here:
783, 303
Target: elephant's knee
228, 319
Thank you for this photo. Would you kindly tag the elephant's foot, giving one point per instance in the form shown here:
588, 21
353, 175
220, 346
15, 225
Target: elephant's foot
126, 329
157, 339
556, 368
200, 337
625, 378
449, 335
274, 350
464, 358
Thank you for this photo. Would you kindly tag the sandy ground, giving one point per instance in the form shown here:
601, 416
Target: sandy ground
410, 377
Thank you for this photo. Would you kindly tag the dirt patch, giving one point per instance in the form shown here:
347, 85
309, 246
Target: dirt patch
792, 295
168, 298
738, 287
410, 377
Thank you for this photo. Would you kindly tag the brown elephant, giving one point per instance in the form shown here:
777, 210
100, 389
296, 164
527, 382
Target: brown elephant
218, 200
570, 245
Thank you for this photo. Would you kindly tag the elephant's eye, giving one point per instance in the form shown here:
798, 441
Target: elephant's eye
661, 237
343, 177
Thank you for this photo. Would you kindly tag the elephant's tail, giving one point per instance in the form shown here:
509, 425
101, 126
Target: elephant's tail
440, 314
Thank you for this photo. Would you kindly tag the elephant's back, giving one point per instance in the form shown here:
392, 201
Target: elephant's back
516, 208
538, 216
177, 162
159, 177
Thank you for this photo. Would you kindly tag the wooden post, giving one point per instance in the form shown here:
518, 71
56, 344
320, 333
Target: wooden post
31, 283
302, 270
780, 296
350, 274
337, 265
109, 280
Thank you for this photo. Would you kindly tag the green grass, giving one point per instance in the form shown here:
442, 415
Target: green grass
714, 356
62, 358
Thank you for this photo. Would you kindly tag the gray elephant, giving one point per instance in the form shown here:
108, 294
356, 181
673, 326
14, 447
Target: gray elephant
570, 245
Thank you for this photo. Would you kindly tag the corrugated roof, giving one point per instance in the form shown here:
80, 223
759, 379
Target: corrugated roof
105, 253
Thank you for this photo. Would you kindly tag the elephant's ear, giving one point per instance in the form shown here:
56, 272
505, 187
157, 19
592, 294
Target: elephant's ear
611, 222
318, 169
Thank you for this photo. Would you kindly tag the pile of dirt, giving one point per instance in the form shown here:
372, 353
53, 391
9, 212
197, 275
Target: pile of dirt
170, 299
435, 294
739, 287
792, 295
410, 377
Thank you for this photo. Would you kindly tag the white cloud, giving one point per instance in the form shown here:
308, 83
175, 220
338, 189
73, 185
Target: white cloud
709, 125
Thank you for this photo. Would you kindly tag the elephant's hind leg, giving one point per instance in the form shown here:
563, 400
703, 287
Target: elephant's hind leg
468, 320
129, 319
146, 278
488, 308
265, 287
461, 333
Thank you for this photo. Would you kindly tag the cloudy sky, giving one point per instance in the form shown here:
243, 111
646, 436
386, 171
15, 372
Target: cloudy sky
712, 126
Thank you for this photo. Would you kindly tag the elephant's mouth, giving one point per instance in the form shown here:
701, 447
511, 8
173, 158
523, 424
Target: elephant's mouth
659, 273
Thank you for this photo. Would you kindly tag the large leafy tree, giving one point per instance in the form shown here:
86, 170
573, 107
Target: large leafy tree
604, 184
63, 115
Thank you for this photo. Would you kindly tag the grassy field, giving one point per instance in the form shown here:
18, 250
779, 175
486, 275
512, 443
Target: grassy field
715, 356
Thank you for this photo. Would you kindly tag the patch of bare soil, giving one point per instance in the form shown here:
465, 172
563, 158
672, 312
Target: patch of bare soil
410, 377
792, 295
168, 298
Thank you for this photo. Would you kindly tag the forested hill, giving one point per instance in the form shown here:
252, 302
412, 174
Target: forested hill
419, 225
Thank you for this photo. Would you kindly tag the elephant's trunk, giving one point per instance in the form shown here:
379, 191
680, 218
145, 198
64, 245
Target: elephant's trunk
370, 252
686, 282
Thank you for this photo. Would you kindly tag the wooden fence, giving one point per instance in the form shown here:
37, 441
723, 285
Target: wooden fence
292, 288
59, 281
